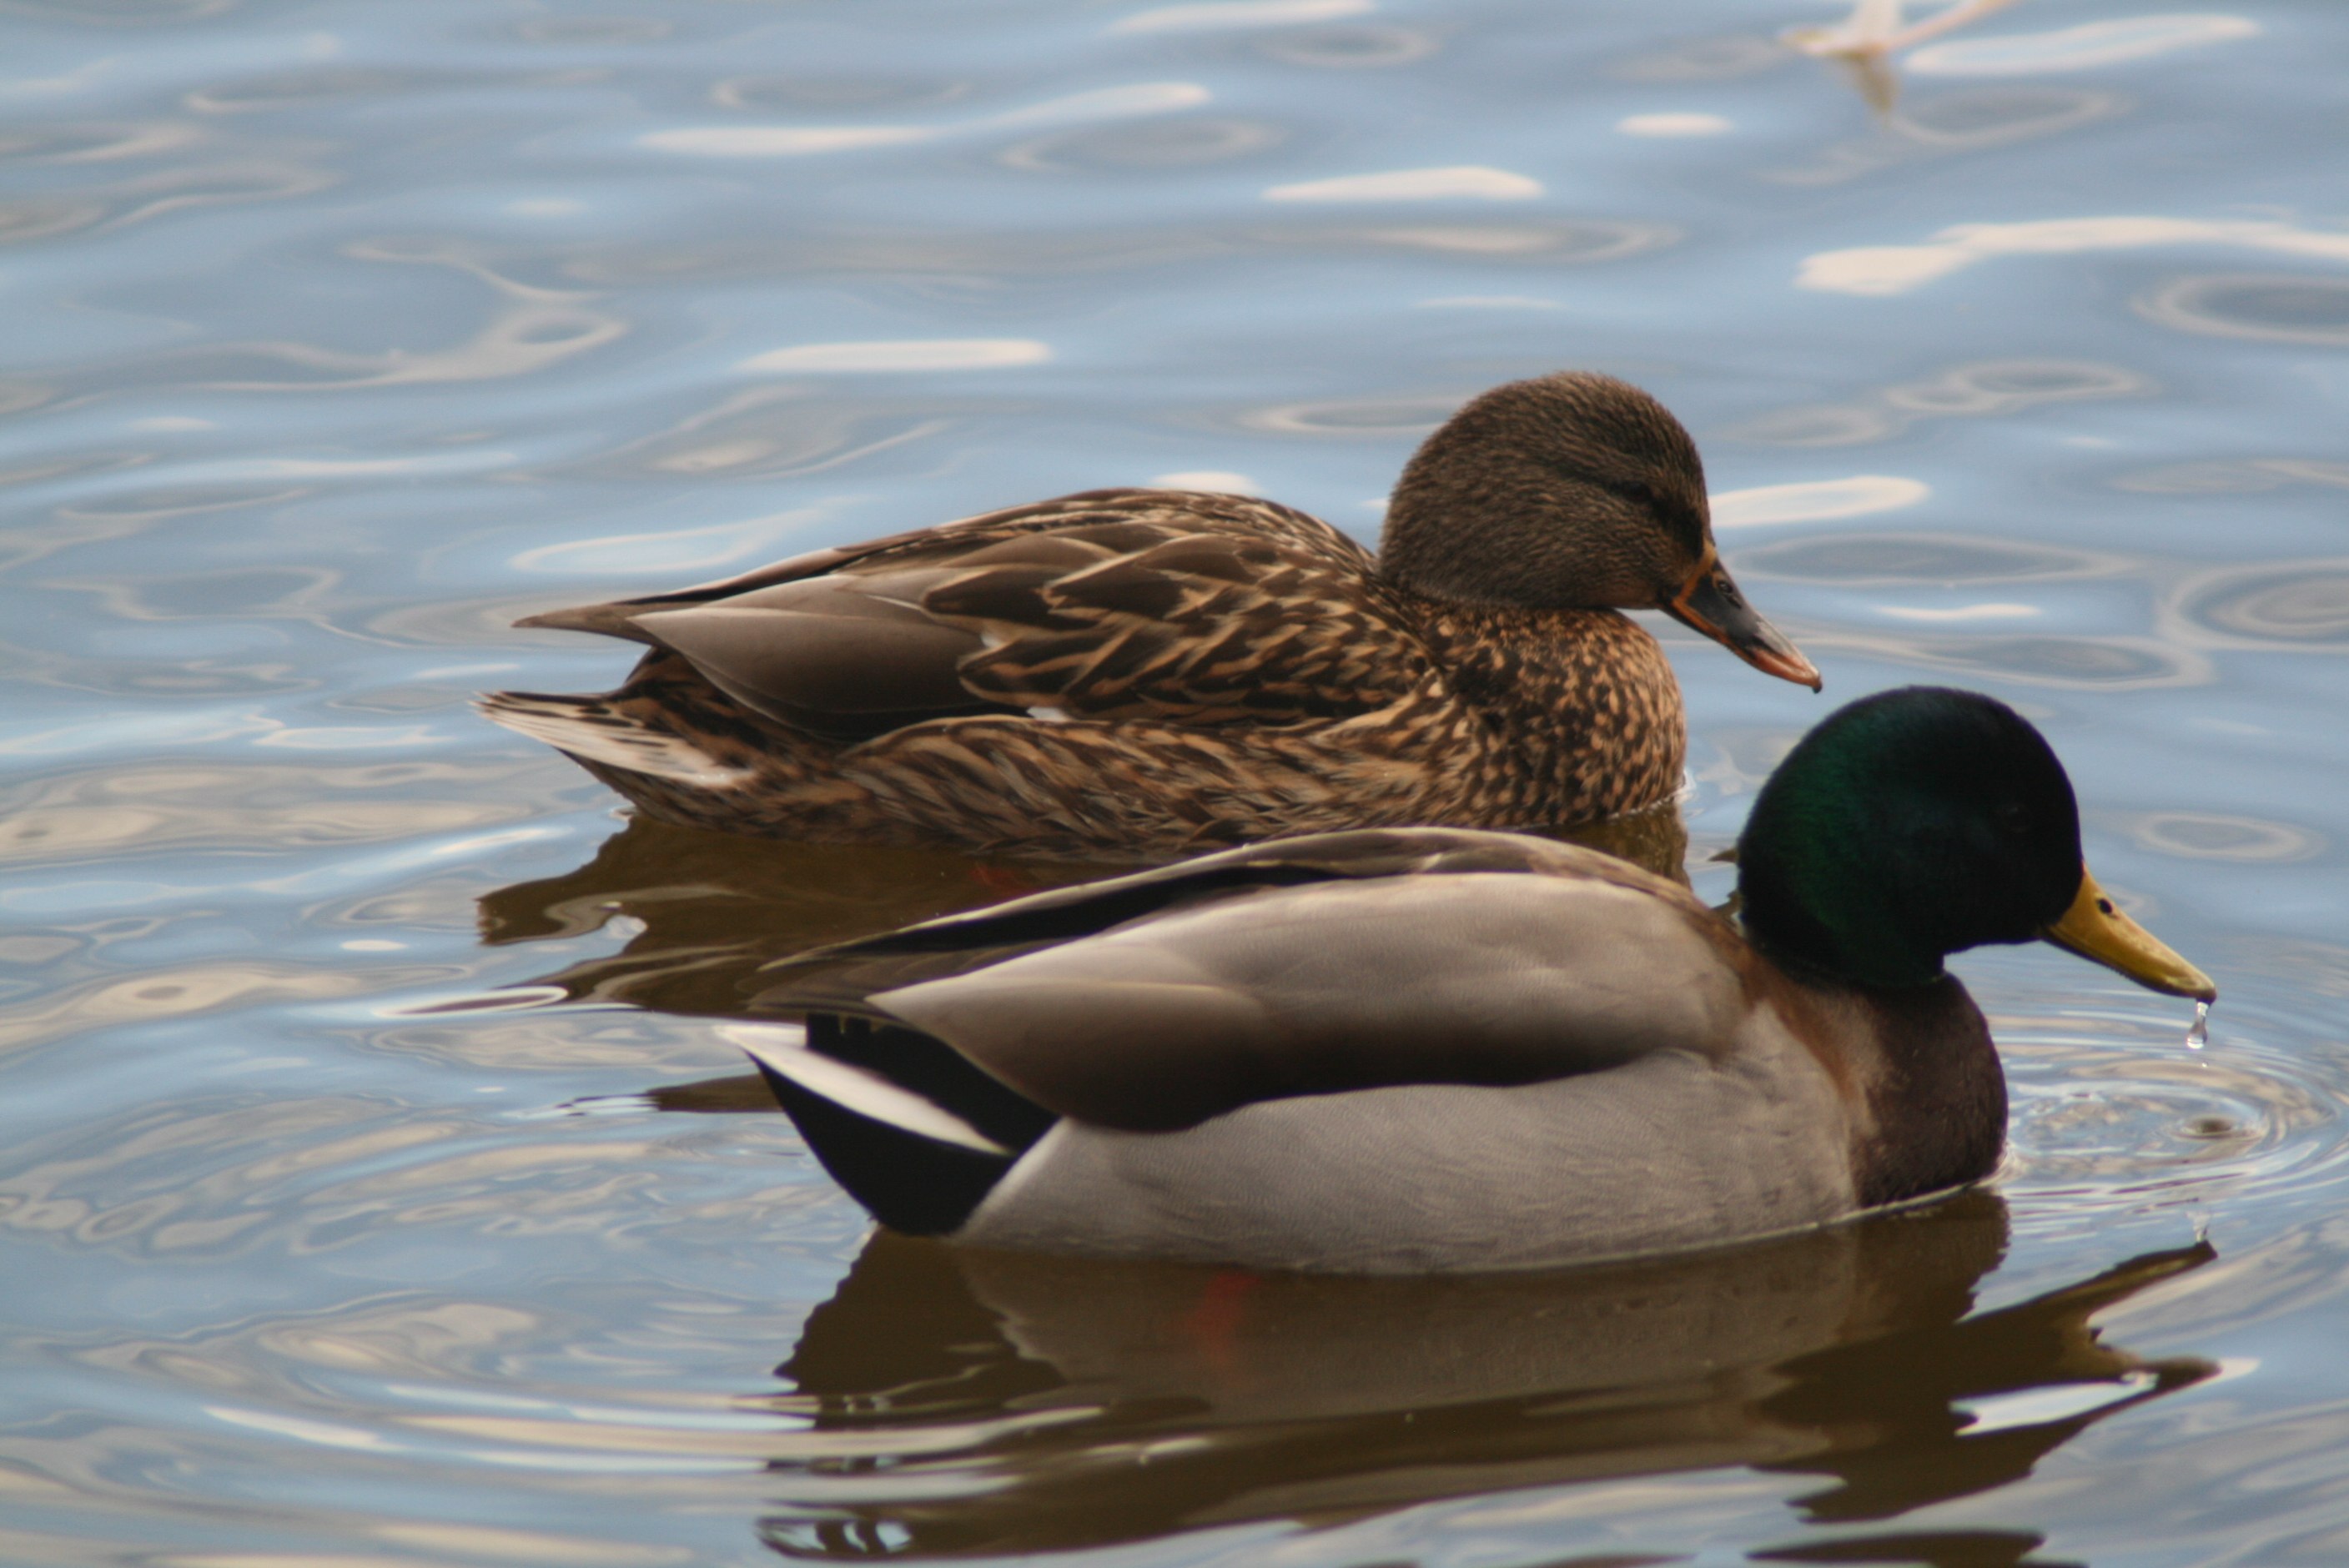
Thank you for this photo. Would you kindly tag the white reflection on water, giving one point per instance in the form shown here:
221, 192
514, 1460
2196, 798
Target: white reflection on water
677, 551
1413, 185
230, 470
1488, 302
1884, 270
1675, 125
1954, 613
1218, 481
1864, 45
904, 355
2084, 47
797, 141
92, 143
2218, 836
2108, 664
1211, 15
2246, 477
1816, 500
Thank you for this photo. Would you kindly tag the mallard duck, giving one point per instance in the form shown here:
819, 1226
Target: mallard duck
1145, 673
1423, 1049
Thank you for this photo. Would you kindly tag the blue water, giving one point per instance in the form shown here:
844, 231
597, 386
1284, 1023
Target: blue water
371, 1189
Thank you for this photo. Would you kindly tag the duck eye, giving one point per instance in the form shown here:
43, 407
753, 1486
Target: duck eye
2014, 817
1638, 493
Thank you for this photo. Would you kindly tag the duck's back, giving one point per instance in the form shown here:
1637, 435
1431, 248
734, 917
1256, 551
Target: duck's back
1126, 672
1172, 605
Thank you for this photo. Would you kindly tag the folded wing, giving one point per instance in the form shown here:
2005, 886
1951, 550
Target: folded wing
1261, 974
1173, 605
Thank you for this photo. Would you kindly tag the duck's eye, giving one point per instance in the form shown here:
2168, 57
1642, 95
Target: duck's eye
1638, 493
2014, 817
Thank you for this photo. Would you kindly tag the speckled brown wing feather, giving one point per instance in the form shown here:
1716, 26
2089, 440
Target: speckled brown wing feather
1173, 605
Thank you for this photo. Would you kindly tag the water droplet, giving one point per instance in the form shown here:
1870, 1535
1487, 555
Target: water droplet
2200, 1034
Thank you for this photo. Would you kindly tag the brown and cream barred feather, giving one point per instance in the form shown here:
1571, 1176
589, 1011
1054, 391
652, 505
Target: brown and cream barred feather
1122, 672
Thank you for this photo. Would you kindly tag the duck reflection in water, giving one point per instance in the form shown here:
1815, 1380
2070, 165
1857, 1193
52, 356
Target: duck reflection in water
997, 1403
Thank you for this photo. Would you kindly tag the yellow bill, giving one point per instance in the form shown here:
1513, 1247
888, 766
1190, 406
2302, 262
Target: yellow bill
2094, 927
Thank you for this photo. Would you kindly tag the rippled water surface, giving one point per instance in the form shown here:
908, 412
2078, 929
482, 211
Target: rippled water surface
374, 1188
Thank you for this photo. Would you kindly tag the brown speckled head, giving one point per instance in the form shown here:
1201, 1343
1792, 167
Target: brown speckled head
1573, 491
1566, 492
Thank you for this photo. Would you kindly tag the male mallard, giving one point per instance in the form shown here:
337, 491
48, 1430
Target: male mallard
1148, 673
1434, 1049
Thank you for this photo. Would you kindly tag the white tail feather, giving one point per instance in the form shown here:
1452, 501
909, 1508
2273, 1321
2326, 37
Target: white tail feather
584, 727
869, 1094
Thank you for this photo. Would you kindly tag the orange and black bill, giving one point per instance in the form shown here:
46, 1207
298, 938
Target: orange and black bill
2094, 927
1710, 603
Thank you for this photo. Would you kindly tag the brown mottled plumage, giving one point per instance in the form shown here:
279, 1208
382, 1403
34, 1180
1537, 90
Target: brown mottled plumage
1150, 673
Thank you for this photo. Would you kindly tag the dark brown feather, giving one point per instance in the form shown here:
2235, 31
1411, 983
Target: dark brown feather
856, 659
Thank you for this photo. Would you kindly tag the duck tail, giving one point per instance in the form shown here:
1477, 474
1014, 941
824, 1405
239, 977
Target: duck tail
597, 729
914, 1132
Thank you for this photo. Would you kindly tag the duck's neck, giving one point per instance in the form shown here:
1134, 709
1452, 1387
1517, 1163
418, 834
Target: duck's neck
1582, 702
1918, 1063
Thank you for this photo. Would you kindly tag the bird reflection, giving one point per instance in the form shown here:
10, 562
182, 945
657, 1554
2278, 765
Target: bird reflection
1863, 45
963, 1402
717, 908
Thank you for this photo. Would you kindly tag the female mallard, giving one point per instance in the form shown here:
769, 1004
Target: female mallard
1432, 1050
1146, 672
